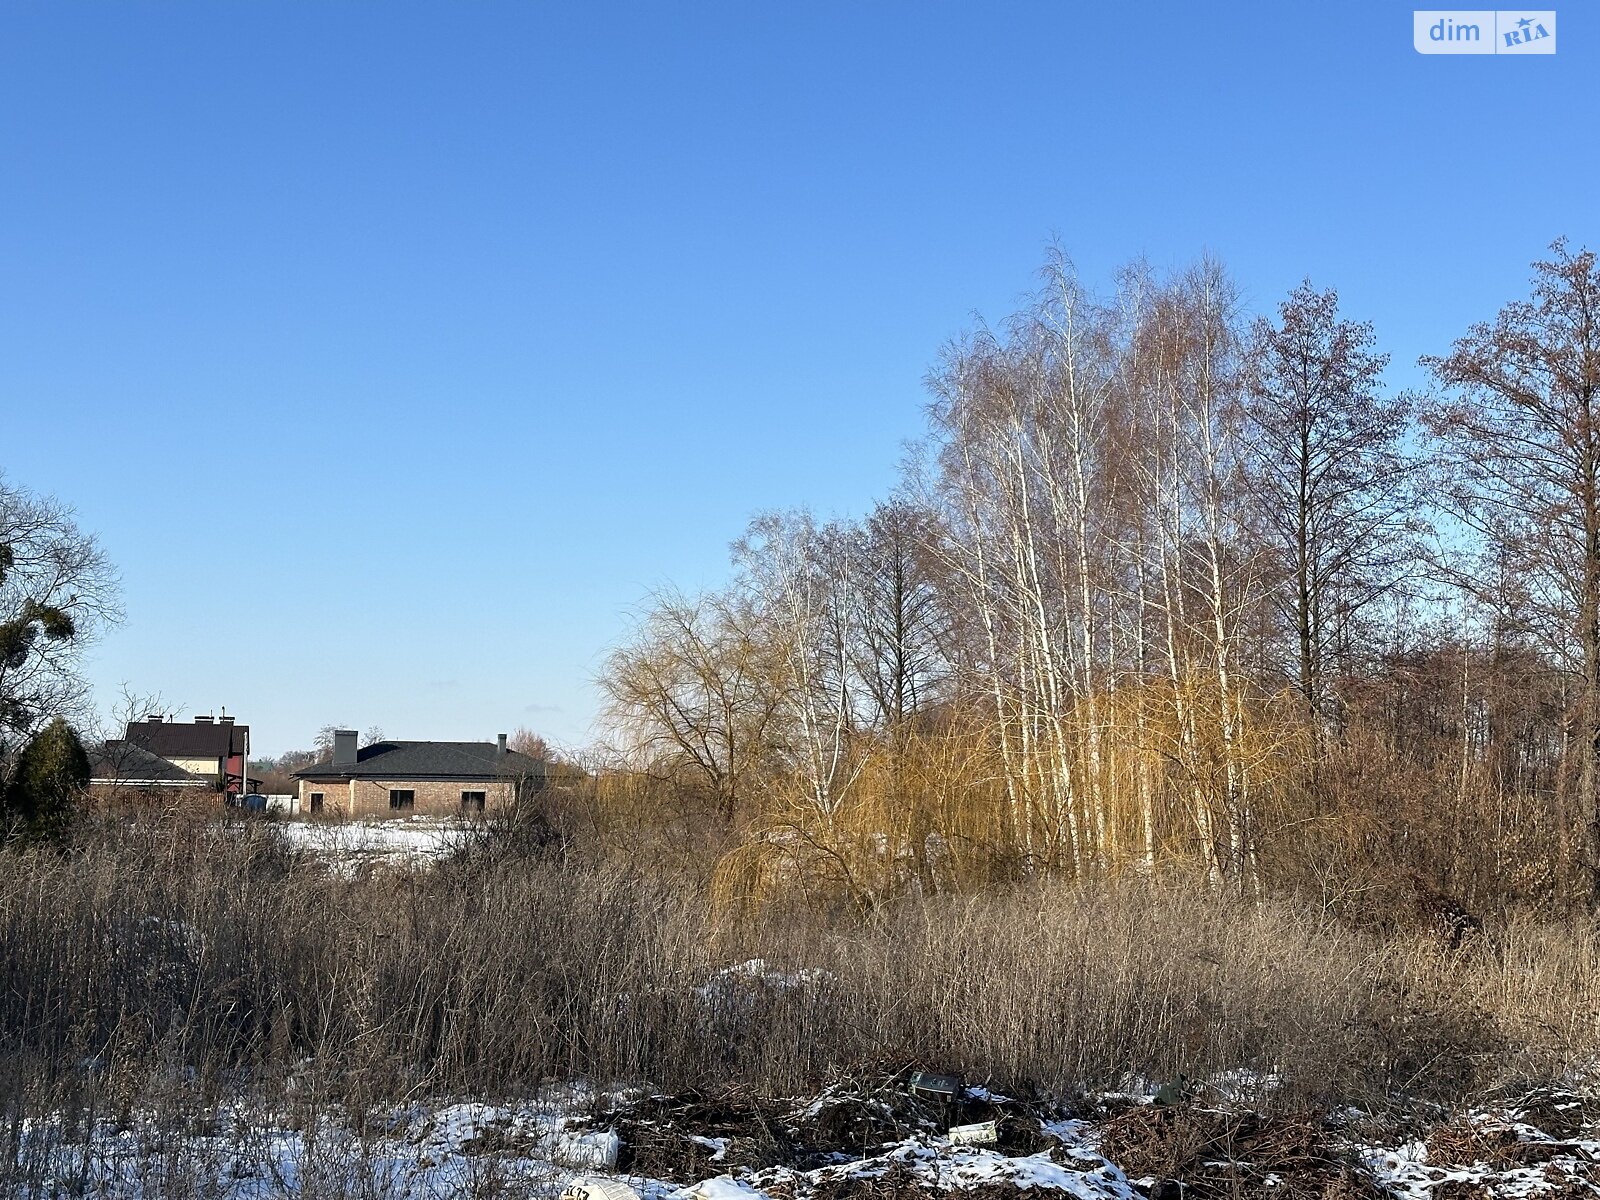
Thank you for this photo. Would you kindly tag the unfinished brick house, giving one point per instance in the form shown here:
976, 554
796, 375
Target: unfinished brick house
402, 779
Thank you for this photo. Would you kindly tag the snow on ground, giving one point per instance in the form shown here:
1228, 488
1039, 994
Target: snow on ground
1414, 1179
346, 845
939, 1166
1550, 1165
743, 985
468, 1149
461, 1149
540, 1149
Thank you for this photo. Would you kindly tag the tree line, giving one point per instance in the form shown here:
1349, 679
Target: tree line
1167, 588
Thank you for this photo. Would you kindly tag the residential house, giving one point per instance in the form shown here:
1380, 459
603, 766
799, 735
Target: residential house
120, 769
215, 748
392, 779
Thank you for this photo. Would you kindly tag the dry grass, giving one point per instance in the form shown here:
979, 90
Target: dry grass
173, 963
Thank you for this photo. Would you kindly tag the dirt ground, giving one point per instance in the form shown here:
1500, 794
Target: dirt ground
1173, 1150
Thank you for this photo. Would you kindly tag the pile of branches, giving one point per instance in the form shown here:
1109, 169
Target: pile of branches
1472, 1142
1219, 1155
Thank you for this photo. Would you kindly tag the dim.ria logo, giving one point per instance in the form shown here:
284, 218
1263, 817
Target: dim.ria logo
1484, 31
1528, 30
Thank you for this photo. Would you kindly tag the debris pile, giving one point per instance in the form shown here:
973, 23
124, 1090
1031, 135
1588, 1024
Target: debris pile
691, 1136
924, 1135
870, 1138
1220, 1155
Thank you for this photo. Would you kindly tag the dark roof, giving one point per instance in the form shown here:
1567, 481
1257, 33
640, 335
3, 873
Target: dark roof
196, 739
428, 760
123, 761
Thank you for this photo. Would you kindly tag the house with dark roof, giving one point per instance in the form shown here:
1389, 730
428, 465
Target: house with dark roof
119, 768
213, 747
392, 778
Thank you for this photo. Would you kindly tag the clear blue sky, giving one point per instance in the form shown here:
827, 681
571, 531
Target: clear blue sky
395, 351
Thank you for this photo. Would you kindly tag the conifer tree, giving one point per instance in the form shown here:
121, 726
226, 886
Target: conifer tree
52, 774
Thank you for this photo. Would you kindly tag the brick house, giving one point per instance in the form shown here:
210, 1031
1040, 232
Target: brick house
394, 779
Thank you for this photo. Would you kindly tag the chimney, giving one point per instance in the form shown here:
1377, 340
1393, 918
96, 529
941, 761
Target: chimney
500, 751
344, 748
224, 720
206, 720
153, 718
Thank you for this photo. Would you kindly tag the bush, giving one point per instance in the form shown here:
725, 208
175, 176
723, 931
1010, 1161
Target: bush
218, 947
51, 778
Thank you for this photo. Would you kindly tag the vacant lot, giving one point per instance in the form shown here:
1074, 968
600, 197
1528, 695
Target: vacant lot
211, 978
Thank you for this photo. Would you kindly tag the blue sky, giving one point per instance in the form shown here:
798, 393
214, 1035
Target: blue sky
395, 351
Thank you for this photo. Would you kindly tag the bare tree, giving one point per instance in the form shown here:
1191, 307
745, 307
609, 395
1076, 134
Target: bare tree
1517, 441
57, 592
692, 692
323, 742
291, 761
900, 626
1025, 423
1325, 465
1196, 538
535, 746
1090, 488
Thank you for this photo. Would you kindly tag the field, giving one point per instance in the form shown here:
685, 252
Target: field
234, 1008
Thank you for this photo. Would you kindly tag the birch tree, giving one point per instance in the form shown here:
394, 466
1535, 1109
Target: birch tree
1197, 543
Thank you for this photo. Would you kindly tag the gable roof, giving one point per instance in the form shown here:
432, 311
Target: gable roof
122, 762
428, 760
198, 739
